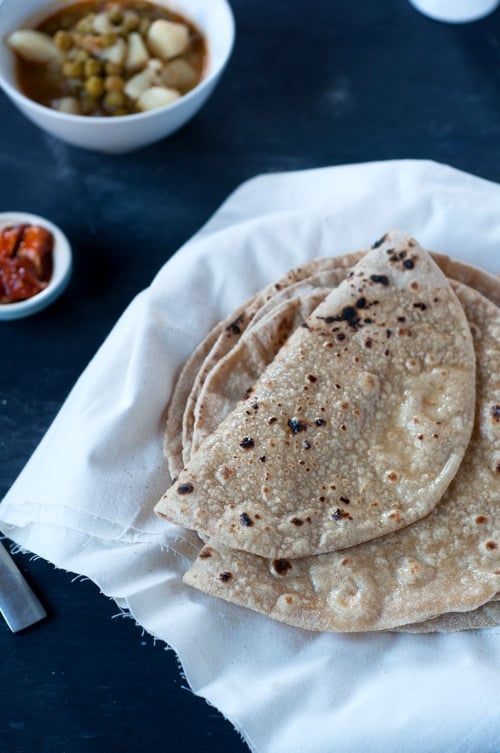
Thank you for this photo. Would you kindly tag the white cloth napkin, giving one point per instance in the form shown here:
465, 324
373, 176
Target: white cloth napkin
85, 499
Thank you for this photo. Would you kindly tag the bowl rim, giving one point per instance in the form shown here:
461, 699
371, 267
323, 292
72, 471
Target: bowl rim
63, 265
103, 120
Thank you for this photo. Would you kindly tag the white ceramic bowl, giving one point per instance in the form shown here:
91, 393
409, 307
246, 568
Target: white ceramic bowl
455, 11
124, 134
61, 273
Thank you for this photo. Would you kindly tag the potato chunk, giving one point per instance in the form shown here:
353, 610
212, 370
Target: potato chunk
34, 46
137, 55
167, 39
157, 96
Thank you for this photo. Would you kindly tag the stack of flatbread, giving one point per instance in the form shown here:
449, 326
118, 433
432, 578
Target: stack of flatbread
336, 444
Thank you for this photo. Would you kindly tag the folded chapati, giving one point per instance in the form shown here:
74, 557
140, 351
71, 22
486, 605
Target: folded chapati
203, 395
355, 429
448, 562
225, 335
222, 382
232, 376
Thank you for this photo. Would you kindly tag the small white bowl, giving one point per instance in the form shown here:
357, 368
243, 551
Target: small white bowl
123, 134
455, 11
60, 275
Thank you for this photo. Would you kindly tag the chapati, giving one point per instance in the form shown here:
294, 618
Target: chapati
448, 562
355, 429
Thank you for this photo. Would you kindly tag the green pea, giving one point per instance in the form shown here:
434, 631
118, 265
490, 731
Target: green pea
72, 69
81, 56
114, 99
94, 86
63, 40
92, 67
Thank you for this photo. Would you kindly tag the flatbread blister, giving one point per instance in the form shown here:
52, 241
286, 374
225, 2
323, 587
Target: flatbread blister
336, 494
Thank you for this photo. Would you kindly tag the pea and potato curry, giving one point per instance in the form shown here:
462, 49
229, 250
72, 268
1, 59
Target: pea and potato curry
102, 58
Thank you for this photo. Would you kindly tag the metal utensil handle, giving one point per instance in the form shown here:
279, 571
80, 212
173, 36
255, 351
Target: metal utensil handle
18, 604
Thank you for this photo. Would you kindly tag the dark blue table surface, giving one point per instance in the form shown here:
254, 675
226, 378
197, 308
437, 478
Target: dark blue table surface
308, 85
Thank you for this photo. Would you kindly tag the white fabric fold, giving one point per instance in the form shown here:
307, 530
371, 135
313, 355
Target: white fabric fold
85, 499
